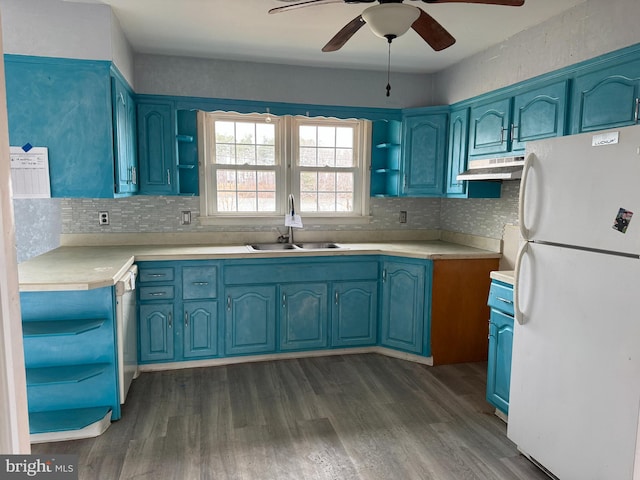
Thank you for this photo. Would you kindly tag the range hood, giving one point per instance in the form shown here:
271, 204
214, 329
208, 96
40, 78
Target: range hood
505, 168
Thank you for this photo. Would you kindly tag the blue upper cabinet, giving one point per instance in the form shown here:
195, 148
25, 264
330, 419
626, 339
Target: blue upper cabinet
156, 148
606, 98
489, 128
424, 138
385, 158
539, 113
124, 137
64, 105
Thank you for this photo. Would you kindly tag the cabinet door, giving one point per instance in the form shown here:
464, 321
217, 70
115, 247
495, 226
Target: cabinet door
539, 114
423, 155
200, 329
121, 136
354, 314
489, 128
132, 145
499, 363
156, 332
156, 149
303, 316
199, 281
403, 306
457, 151
606, 98
250, 319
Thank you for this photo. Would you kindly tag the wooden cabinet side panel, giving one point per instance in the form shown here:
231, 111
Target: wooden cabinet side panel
459, 311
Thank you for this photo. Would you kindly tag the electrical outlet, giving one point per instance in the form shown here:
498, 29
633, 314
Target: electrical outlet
403, 216
103, 218
185, 217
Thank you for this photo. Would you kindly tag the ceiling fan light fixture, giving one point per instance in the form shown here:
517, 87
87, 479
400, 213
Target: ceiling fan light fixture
390, 20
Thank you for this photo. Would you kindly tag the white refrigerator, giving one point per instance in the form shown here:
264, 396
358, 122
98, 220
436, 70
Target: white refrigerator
575, 376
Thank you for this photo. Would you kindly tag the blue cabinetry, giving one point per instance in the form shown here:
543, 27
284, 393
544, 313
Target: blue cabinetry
124, 137
156, 148
489, 128
405, 305
250, 319
354, 313
500, 345
64, 105
70, 386
178, 311
303, 316
385, 158
424, 138
606, 97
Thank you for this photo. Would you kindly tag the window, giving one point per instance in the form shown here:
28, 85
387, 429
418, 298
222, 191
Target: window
250, 163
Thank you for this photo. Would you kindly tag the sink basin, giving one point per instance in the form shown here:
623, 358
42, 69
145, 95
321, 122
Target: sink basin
316, 245
272, 246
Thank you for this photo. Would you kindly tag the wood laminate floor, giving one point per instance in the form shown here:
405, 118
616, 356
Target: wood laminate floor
342, 417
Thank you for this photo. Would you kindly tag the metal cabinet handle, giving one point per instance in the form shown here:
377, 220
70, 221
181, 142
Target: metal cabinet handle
156, 275
513, 132
168, 177
505, 300
384, 274
635, 115
170, 319
336, 298
186, 319
134, 175
284, 300
229, 303
502, 130
157, 294
200, 284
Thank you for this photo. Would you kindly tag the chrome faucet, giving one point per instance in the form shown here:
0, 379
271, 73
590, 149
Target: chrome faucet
292, 211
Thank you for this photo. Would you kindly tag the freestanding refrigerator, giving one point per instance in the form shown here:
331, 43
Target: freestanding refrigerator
575, 378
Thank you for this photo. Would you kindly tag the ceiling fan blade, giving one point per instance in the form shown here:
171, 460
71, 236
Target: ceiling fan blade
306, 3
507, 3
432, 32
340, 38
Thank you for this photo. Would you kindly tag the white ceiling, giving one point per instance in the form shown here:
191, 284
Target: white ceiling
243, 30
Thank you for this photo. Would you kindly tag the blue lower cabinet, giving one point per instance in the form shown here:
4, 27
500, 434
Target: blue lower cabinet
156, 322
303, 316
403, 306
200, 338
69, 385
354, 314
250, 319
499, 362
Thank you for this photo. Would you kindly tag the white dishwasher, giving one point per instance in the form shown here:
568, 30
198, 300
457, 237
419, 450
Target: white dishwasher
126, 326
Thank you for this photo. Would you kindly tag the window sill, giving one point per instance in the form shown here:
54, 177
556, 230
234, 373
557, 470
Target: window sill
278, 221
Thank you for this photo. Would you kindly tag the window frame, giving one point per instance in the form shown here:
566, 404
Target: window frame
287, 179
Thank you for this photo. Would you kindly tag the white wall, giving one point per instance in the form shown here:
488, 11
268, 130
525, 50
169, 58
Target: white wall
121, 51
168, 75
590, 29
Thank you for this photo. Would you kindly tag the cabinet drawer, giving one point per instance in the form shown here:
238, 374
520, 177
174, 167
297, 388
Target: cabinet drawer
501, 297
160, 274
199, 282
156, 292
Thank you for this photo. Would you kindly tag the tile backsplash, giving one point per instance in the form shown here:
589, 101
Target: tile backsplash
40, 222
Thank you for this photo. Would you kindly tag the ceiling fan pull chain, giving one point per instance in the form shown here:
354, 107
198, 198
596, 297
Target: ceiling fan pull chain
389, 68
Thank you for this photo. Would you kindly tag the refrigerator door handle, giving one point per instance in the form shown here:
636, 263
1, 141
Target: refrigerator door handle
524, 233
519, 316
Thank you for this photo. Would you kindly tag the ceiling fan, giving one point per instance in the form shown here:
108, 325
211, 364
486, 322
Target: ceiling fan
392, 18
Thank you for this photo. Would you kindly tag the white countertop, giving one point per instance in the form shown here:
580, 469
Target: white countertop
83, 268
506, 276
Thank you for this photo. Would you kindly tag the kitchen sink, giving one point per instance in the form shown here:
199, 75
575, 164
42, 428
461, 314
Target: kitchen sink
316, 245
272, 246
297, 246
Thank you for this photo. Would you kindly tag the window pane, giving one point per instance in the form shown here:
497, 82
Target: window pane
225, 154
267, 181
308, 202
344, 137
344, 202
327, 182
247, 202
265, 134
246, 181
344, 157
246, 133
344, 182
225, 132
266, 201
308, 182
266, 155
307, 136
326, 136
226, 180
326, 157
226, 202
246, 154
326, 202
308, 157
